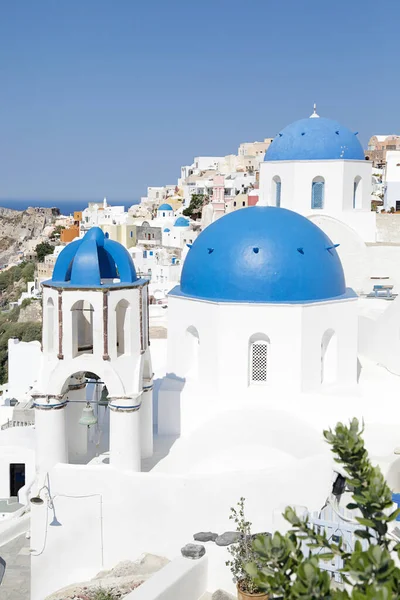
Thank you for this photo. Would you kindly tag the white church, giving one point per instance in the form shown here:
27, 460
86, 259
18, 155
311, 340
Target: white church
139, 444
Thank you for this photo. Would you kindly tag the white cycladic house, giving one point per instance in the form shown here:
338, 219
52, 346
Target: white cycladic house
173, 235
164, 212
95, 321
262, 306
316, 166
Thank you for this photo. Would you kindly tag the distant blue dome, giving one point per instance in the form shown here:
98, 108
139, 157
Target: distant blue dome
315, 139
181, 222
165, 207
166, 230
262, 254
86, 262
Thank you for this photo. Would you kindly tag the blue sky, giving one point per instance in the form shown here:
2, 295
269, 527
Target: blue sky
103, 97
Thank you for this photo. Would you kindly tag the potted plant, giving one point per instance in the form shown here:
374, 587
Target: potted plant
242, 554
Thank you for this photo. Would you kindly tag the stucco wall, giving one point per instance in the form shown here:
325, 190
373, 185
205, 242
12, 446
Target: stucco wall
128, 516
296, 185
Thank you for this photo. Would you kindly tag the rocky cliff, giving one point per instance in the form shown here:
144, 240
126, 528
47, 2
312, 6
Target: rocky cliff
22, 230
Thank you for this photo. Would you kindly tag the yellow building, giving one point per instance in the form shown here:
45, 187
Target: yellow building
125, 233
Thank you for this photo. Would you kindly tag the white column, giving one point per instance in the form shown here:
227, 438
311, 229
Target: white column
51, 441
125, 453
146, 418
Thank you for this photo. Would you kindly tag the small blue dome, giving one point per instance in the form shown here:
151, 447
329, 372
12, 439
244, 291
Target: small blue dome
263, 254
86, 262
315, 139
181, 222
165, 207
166, 230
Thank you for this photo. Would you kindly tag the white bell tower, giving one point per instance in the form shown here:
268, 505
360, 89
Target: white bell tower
95, 321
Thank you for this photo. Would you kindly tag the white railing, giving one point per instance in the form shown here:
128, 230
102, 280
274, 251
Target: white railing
335, 528
11, 423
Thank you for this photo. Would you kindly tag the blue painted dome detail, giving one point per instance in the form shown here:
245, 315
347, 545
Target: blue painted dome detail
315, 139
86, 262
181, 222
263, 254
166, 230
165, 207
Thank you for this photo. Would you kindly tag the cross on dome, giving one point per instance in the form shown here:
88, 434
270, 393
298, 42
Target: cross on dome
314, 115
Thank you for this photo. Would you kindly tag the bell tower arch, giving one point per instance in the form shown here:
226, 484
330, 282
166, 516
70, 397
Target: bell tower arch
95, 320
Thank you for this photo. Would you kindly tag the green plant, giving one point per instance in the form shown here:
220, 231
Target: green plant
55, 234
196, 204
43, 249
103, 594
26, 302
242, 552
369, 573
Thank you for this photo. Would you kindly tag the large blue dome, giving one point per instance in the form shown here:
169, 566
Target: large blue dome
88, 262
315, 139
263, 254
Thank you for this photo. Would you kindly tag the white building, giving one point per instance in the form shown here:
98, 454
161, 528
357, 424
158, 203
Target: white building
273, 274
392, 176
316, 166
96, 215
262, 353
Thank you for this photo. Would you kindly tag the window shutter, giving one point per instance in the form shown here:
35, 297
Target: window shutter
317, 194
278, 193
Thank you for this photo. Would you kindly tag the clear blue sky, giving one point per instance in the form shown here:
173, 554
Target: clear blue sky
106, 97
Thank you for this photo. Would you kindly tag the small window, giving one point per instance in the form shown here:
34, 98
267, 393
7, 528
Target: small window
357, 193
276, 190
234, 204
259, 361
318, 193
131, 234
243, 203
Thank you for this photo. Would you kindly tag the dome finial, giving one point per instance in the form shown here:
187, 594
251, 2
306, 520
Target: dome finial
314, 115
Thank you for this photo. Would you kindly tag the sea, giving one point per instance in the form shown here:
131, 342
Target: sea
67, 207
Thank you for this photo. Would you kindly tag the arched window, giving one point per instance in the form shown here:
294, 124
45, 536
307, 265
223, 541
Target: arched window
82, 328
123, 323
318, 193
193, 347
329, 357
276, 190
258, 358
357, 192
50, 314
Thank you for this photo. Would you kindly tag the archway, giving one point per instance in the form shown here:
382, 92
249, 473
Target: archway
86, 442
123, 322
329, 356
82, 328
51, 326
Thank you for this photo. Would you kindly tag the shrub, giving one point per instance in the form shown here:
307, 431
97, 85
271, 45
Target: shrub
369, 574
43, 249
